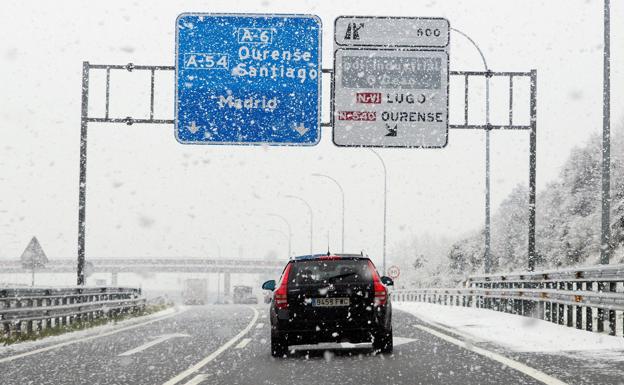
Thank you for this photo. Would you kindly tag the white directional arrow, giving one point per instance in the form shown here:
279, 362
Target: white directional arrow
158, 340
301, 129
396, 341
193, 127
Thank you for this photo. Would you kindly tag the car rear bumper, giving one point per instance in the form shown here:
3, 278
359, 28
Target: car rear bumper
306, 336
317, 331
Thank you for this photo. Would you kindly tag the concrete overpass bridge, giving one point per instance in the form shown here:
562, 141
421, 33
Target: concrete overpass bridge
154, 265
114, 266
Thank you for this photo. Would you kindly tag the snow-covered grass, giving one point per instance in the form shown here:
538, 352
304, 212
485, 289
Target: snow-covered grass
79, 334
79, 325
513, 332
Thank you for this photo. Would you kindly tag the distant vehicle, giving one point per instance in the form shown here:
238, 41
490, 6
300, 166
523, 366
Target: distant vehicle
330, 298
195, 291
243, 294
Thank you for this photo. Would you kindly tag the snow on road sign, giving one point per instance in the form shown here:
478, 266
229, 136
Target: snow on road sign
248, 79
33, 256
390, 85
392, 31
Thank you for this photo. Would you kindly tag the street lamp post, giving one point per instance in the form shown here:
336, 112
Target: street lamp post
385, 209
488, 258
311, 218
289, 231
343, 205
605, 233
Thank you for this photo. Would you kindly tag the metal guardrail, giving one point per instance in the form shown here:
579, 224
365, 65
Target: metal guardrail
586, 298
28, 310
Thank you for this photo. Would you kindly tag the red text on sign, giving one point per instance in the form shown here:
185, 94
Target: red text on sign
367, 116
368, 97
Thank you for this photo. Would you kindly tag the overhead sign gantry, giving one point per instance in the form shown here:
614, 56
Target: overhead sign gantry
251, 56
248, 79
390, 85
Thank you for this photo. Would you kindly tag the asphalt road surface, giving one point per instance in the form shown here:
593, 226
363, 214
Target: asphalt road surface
229, 345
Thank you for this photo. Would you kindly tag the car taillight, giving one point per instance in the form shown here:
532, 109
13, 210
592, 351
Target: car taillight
281, 294
381, 294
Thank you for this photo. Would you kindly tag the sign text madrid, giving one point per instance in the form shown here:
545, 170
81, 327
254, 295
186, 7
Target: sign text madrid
248, 79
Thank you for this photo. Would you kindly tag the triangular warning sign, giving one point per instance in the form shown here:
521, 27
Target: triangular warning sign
33, 255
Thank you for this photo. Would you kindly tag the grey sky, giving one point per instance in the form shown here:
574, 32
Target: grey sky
151, 196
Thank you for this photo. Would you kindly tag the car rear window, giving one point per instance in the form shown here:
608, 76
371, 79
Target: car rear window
330, 271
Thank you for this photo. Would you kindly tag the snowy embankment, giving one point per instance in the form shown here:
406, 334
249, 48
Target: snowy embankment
89, 333
513, 332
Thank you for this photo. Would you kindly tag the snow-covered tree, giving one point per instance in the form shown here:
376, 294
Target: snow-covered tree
568, 217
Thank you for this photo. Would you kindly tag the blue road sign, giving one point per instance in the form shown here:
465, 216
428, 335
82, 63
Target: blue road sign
248, 79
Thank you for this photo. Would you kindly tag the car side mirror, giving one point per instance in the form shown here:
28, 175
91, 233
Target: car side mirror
387, 281
269, 285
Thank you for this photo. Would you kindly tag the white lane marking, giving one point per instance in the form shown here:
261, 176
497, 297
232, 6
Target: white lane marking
463, 335
214, 354
243, 343
259, 325
83, 339
158, 340
197, 379
263, 315
396, 341
529, 371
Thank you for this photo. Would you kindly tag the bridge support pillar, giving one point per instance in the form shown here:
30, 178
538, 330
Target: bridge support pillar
226, 284
114, 278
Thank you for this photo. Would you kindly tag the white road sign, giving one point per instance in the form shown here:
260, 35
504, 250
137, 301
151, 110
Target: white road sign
34, 256
391, 31
394, 272
390, 85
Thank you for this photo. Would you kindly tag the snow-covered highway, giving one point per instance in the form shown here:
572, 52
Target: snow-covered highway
229, 344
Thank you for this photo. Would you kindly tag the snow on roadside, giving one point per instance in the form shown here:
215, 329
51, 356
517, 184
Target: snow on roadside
31, 345
517, 333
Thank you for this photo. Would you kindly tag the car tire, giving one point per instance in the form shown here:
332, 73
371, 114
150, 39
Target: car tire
279, 346
382, 341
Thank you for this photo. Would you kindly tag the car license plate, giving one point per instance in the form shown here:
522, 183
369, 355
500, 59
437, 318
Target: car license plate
330, 302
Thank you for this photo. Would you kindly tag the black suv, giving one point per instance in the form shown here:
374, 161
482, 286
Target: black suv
330, 298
